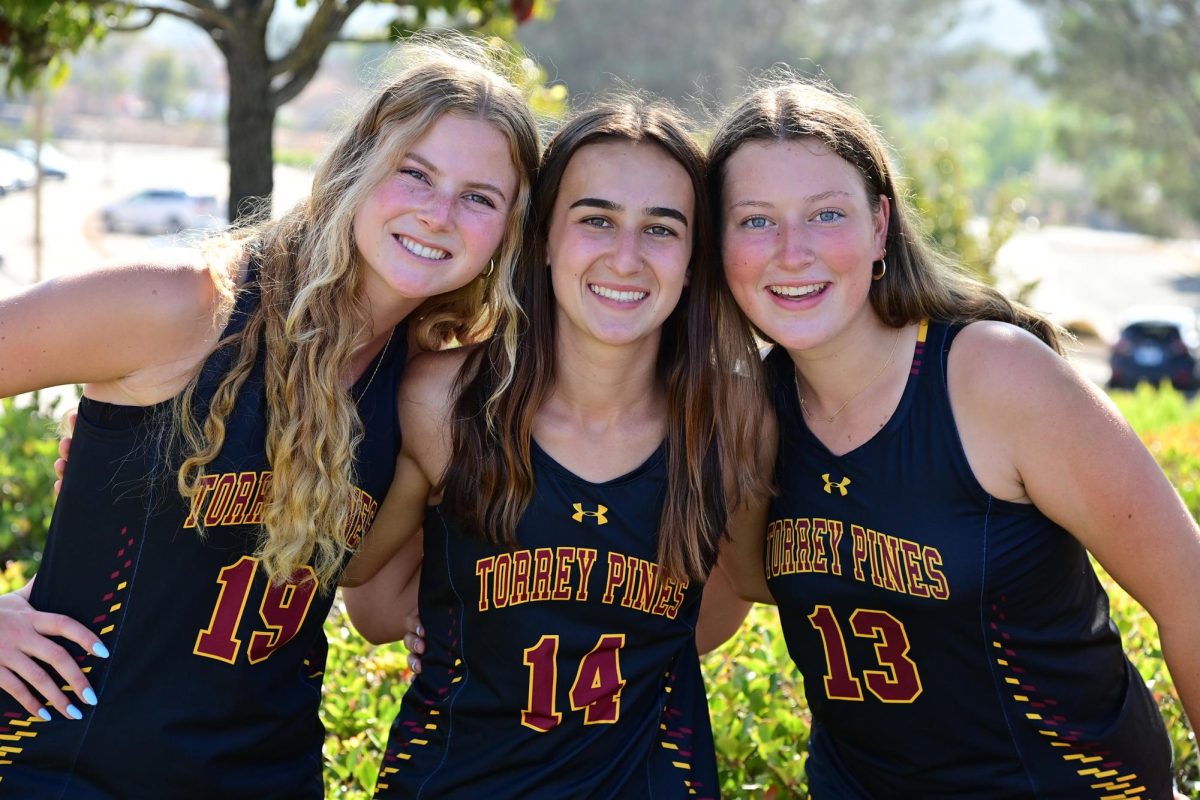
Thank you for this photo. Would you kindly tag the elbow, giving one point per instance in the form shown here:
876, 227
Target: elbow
372, 630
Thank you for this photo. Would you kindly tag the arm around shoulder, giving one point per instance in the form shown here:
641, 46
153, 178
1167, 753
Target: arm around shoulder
108, 325
741, 555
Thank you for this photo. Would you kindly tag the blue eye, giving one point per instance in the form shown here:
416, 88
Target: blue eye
755, 222
475, 197
829, 215
414, 173
660, 230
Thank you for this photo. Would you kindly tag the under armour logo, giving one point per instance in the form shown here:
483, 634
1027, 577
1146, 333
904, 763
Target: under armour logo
599, 513
839, 485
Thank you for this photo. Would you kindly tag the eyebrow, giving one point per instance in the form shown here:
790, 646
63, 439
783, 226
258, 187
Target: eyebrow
609, 205
812, 198
427, 164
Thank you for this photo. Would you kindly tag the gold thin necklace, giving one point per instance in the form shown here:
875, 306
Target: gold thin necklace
808, 412
379, 361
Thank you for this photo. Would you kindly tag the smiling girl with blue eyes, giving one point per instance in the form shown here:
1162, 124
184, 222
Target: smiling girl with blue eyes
941, 470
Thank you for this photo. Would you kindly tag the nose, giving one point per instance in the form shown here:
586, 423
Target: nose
627, 254
438, 211
795, 248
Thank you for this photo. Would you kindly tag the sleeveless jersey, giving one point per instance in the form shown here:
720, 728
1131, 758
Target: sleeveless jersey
952, 644
213, 684
565, 667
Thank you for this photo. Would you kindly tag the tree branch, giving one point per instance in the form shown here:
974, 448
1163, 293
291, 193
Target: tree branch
321, 30
133, 27
206, 15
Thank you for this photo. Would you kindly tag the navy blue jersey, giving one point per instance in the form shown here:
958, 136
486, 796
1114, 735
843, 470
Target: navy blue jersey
565, 667
214, 679
952, 644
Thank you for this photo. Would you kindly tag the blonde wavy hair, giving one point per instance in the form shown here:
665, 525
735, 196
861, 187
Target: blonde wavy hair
311, 315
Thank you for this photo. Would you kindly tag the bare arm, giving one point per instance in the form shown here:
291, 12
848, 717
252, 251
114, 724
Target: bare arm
721, 612
1034, 429
741, 557
386, 566
384, 608
131, 334
134, 334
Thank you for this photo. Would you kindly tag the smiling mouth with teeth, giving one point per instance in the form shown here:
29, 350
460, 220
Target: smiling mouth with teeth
793, 292
613, 294
421, 250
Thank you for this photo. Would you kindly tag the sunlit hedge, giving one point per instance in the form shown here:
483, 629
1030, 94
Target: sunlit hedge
759, 716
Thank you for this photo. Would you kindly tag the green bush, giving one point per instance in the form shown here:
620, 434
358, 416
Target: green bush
759, 716
28, 448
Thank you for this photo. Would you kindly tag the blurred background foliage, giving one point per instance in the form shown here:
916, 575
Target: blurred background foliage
756, 697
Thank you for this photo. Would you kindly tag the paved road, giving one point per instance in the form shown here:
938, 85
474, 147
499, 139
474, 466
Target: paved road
74, 240
72, 236
1094, 276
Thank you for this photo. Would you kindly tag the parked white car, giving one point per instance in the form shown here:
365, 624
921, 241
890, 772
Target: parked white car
55, 164
15, 172
163, 211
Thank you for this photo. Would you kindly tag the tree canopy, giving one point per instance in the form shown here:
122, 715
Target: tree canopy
1128, 71
36, 35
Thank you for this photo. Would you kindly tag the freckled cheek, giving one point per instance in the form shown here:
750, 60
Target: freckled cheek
393, 193
484, 234
744, 262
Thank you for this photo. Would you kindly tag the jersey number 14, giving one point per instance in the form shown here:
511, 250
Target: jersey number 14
596, 690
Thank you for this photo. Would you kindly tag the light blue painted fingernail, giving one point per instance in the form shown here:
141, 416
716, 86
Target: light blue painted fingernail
73, 712
89, 696
99, 649
44, 714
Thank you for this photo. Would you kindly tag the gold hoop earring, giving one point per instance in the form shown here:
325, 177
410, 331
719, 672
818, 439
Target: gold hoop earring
491, 267
875, 276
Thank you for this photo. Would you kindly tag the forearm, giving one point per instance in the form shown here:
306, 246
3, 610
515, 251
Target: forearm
381, 607
721, 612
1181, 651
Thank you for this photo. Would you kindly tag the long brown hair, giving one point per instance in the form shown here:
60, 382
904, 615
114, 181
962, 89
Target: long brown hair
311, 316
920, 282
489, 481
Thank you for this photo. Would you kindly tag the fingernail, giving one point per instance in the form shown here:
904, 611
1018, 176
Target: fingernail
73, 712
99, 649
420, 632
44, 714
89, 696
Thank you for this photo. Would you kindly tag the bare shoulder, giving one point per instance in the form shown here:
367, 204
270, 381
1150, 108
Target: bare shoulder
1016, 400
994, 363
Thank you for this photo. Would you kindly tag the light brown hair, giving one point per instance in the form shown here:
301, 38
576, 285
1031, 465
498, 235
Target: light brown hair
920, 283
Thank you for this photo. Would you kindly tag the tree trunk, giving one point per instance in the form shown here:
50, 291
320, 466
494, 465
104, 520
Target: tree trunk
248, 129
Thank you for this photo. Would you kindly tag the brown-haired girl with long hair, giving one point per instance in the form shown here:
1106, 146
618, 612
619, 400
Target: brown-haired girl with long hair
237, 432
571, 475
942, 475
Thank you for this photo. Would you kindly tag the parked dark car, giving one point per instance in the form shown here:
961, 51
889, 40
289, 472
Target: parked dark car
1157, 343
